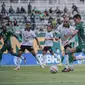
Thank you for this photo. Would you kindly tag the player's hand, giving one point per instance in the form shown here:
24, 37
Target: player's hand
40, 47
56, 39
46, 39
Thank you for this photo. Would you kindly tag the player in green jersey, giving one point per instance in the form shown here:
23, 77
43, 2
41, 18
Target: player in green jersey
6, 35
80, 31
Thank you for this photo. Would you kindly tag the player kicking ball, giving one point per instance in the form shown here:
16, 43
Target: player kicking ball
80, 31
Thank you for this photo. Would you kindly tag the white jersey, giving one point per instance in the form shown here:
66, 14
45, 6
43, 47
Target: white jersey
27, 37
49, 35
63, 31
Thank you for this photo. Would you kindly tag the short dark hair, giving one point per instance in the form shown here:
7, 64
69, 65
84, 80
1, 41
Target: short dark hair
77, 16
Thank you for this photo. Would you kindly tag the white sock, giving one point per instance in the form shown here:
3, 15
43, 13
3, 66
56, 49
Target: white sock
22, 57
71, 66
44, 59
67, 62
18, 63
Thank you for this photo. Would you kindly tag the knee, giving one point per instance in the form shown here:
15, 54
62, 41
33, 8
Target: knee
20, 53
1, 52
44, 52
63, 53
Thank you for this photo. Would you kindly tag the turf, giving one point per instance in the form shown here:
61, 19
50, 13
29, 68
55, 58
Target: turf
34, 75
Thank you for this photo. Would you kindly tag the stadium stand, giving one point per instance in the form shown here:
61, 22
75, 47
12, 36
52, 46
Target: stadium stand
39, 6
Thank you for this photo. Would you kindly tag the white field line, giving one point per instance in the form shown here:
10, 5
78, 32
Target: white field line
37, 82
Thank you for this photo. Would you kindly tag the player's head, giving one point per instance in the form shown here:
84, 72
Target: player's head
77, 18
66, 22
49, 28
28, 26
4, 28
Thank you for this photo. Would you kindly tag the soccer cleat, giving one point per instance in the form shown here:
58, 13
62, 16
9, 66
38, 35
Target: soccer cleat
60, 64
41, 65
44, 64
66, 70
16, 68
72, 68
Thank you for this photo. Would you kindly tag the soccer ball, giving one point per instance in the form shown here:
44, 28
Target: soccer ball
53, 69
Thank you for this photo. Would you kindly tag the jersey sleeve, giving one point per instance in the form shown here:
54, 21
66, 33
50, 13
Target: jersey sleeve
77, 27
33, 34
57, 32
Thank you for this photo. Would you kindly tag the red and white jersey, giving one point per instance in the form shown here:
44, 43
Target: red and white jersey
27, 37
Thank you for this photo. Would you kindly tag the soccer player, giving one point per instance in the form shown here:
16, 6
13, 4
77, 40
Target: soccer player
48, 43
80, 31
65, 31
27, 42
6, 35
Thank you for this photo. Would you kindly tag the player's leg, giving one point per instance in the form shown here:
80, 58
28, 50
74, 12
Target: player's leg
70, 52
45, 49
2, 50
19, 56
10, 50
64, 57
20, 52
62, 52
68, 59
31, 49
80, 48
17, 63
52, 53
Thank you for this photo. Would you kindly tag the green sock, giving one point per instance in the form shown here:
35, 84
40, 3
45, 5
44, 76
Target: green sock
62, 58
70, 58
0, 57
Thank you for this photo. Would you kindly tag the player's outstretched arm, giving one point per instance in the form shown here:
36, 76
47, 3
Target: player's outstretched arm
74, 33
18, 38
38, 42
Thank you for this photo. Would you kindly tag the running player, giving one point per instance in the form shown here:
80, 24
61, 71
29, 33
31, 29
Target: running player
27, 43
49, 37
6, 35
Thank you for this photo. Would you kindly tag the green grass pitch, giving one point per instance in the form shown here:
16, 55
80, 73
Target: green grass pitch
34, 75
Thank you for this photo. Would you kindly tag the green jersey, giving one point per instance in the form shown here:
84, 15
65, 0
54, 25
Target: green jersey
6, 36
81, 33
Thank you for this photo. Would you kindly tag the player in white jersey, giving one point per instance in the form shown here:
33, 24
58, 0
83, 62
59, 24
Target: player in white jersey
65, 31
27, 42
48, 43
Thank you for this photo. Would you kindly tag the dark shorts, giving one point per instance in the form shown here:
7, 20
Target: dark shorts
6, 47
68, 45
23, 48
47, 48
